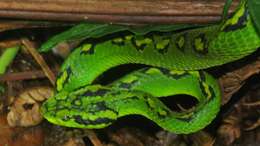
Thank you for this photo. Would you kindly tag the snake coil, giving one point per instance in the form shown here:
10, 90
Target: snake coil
175, 58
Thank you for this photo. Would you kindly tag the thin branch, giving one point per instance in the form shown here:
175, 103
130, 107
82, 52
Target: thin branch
39, 59
119, 11
26, 75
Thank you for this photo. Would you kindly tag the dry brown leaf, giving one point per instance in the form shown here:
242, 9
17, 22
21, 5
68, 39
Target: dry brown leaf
25, 110
75, 142
39, 59
229, 131
202, 139
10, 136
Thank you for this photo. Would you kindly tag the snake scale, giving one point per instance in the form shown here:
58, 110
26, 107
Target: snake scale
176, 60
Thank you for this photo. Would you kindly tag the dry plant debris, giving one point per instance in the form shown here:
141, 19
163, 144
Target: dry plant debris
25, 111
10, 136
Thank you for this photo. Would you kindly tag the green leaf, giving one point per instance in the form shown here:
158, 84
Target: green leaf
2, 89
81, 32
91, 30
254, 9
7, 57
225, 9
160, 28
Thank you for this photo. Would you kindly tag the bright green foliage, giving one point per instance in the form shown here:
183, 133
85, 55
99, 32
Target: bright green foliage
7, 57
254, 9
2, 89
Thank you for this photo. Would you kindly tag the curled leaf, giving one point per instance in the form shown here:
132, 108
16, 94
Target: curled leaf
25, 110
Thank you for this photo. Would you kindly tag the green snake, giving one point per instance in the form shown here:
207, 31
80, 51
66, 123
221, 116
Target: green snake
177, 59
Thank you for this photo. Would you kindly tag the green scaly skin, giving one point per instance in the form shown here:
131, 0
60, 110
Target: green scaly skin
80, 104
98, 106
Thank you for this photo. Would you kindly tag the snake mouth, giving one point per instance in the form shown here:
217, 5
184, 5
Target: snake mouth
180, 103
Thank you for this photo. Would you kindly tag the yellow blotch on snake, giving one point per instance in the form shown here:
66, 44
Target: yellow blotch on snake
61, 80
162, 44
198, 44
143, 41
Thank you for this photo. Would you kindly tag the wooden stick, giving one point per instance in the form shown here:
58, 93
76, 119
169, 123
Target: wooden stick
26, 75
119, 11
39, 59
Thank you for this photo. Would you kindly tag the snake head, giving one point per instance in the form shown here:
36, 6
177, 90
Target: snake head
83, 108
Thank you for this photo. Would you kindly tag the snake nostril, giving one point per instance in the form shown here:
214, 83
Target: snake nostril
180, 103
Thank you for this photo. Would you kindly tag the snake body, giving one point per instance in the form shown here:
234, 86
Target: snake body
175, 57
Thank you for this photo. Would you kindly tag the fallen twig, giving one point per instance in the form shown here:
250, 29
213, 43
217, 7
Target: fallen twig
253, 126
93, 137
119, 11
39, 59
252, 104
26, 75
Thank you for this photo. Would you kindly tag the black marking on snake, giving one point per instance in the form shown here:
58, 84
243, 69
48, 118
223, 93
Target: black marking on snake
59, 106
203, 80
212, 92
77, 101
164, 71
57, 109
178, 76
139, 48
203, 88
69, 73
240, 24
163, 45
45, 107
180, 42
164, 49
119, 41
88, 51
134, 98
127, 85
160, 115
99, 92
151, 108
66, 118
115, 93
83, 87
200, 44
100, 106
202, 76
129, 99
80, 120
102, 92
146, 97
171, 75
148, 105
60, 102
144, 70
